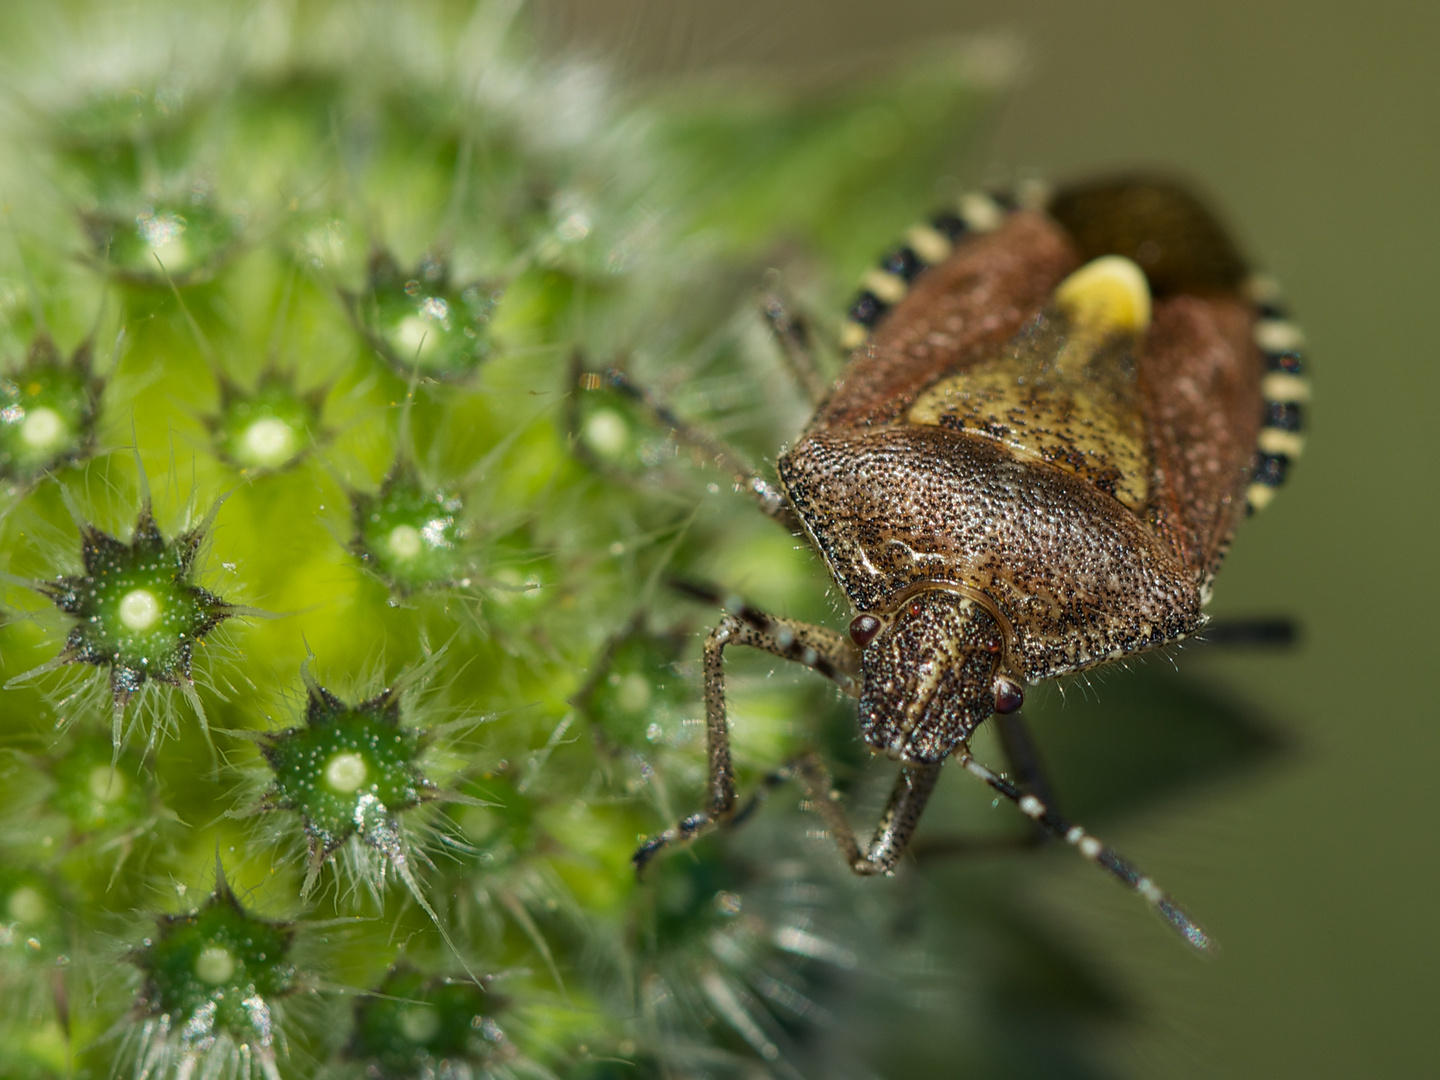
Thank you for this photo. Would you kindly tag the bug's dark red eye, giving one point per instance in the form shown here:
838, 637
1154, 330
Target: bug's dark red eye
915, 608
863, 629
1008, 695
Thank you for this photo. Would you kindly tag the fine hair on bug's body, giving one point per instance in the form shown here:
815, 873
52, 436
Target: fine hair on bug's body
1057, 410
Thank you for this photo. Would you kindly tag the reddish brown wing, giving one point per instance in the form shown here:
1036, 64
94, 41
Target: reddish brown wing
957, 314
1200, 375
1200, 385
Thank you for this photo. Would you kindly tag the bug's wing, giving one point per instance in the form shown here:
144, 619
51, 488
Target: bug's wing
1200, 383
1200, 371
957, 314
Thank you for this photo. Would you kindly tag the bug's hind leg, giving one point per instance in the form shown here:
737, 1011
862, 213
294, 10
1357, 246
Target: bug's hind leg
745, 477
1260, 632
824, 651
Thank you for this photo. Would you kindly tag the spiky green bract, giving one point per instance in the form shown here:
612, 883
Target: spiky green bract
412, 534
212, 982
37, 940
173, 241
32, 932
268, 428
418, 1027
636, 698
98, 791
350, 770
137, 610
420, 321
48, 409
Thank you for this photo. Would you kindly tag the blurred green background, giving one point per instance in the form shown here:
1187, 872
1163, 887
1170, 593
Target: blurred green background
1314, 128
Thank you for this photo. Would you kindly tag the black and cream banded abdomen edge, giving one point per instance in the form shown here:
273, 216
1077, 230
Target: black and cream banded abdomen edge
1285, 388
926, 244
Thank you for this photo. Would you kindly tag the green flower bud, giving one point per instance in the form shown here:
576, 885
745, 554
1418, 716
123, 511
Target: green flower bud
48, 410
418, 1026
413, 535
136, 609
215, 976
420, 322
350, 770
267, 429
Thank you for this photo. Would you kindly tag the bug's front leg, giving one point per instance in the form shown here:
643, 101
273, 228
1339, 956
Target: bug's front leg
817, 648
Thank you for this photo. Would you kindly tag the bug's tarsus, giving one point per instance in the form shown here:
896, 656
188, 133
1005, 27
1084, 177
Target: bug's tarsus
774, 779
822, 650
793, 336
1093, 849
1251, 633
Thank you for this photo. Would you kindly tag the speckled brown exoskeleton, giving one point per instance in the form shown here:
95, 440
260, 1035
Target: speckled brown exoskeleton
1057, 410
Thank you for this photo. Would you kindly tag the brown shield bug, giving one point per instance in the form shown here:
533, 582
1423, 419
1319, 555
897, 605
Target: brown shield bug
1056, 412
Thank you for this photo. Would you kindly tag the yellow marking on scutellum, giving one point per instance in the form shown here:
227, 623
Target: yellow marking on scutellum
1107, 295
1281, 443
1080, 406
1283, 388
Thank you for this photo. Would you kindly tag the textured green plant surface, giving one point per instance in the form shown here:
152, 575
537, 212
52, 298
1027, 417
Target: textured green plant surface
343, 676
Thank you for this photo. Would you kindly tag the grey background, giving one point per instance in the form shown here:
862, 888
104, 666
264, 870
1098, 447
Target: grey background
1314, 126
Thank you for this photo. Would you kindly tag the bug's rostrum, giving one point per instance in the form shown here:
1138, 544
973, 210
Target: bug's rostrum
929, 676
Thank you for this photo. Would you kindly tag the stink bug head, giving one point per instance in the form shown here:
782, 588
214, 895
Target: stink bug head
929, 676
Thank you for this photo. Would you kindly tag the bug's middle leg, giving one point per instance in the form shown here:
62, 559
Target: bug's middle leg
819, 649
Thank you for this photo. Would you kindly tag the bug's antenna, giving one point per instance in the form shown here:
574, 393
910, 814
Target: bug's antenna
1097, 852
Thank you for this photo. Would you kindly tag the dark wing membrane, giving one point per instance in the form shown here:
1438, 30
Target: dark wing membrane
1156, 223
957, 313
